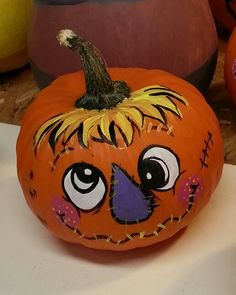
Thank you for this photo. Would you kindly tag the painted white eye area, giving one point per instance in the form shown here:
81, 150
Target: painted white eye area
84, 185
158, 168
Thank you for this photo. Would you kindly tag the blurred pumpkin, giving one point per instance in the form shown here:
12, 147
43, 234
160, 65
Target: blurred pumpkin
117, 159
13, 31
230, 66
176, 37
224, 12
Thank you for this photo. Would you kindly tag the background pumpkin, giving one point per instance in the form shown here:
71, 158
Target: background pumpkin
224, 12
79, 154
13, 31
176, 36
230, 66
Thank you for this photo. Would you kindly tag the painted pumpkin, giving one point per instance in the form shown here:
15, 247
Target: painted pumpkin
224, 12
117, 165
152, 34
230, 66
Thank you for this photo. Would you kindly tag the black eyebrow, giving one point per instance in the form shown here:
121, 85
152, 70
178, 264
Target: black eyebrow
58, 156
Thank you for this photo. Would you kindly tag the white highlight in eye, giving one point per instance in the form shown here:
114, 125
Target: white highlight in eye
149, 176
87, 171
168, 162
84, 201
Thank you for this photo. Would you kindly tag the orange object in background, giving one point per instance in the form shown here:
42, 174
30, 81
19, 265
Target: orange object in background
122, 161
230, 66
224, 12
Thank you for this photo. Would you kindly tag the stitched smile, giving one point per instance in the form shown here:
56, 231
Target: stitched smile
129, 237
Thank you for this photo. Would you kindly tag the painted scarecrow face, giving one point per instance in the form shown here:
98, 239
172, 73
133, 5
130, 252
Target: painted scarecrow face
125, 175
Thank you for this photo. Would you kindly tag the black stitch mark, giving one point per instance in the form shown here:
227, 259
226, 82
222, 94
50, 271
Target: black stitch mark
208, 143
33, 193
160, 227
31, 175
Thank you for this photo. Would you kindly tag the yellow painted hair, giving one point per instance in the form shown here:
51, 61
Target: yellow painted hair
150, 102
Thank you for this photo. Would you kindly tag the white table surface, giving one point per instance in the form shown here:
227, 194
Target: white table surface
201, 260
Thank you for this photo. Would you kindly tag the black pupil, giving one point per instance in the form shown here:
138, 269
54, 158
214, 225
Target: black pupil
152, 174
85, 173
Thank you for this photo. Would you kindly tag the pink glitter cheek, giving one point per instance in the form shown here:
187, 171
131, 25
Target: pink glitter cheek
186, 188
65, 210
234, 68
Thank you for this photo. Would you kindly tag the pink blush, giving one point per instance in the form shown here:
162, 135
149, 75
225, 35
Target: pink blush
234, 68
188, 185
65, 212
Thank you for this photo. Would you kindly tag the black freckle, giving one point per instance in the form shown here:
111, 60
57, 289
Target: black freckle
33, 193
31, 175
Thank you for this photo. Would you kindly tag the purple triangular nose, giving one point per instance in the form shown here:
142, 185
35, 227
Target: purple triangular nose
128, 203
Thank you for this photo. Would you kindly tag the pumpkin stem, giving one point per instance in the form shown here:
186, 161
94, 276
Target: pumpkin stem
101, 91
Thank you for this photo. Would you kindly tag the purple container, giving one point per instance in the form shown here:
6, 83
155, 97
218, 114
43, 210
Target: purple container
176, 36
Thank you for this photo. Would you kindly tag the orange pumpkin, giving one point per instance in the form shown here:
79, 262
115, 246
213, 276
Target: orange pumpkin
224, 12
230, 66
117, 165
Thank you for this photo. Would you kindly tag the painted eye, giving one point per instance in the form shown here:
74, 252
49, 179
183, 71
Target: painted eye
84, 185
158, 168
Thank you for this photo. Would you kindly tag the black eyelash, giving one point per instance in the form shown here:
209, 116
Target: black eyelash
58, 156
